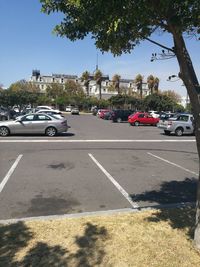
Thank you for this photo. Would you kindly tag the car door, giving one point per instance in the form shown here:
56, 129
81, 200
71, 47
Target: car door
141, 118
149, 119
23, 125
40, 123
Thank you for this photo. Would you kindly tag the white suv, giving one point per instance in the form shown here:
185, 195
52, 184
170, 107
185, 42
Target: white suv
154, 114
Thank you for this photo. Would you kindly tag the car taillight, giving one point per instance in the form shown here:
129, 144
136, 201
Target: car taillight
64, 122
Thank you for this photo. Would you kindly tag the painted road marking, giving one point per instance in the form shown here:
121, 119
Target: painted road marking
95, 141
10, 172
174, 164
117, 185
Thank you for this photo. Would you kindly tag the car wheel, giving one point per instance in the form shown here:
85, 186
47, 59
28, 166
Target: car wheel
136, 123
179, 131
167, 132
4, 131
51, 131
119, 120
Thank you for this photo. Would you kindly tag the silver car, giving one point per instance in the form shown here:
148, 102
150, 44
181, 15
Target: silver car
34, 123
181, 124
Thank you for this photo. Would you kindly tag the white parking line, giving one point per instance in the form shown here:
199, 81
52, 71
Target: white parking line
174, 164
10, 172
95, 141
117, 185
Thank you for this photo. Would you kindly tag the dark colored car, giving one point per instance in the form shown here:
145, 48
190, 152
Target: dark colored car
165, 116
108, 115
4, 114
120, 115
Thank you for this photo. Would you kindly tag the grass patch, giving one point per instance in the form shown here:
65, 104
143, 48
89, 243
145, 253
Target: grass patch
159, 238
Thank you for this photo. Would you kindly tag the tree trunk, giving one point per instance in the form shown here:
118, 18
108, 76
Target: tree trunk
141, 90
100, 90
187, 74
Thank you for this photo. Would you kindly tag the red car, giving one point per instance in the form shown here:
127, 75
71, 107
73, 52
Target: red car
102, 113
142, 118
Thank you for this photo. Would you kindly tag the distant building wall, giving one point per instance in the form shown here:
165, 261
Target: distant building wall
126, 85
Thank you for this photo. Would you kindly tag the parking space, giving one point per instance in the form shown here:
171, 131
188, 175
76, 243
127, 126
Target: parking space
49, 181
57, 184
97, 166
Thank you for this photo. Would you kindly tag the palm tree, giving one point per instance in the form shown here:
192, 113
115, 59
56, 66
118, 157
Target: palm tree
116, 80
98, 77
150, 83
156, 84
138, 81
85, 78
153, 84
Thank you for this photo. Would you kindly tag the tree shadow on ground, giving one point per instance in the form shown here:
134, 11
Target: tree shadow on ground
90, 252
169, 193
16, 237
13, 238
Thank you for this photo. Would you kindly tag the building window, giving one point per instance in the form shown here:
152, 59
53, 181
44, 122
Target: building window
40, 79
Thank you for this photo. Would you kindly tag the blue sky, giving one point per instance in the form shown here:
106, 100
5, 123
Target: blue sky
27, 43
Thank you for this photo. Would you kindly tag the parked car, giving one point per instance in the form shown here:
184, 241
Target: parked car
120, 115
4, 114
51, 112
75, 111
34, 123
165, 116
46, 108
108, 115
143, 118
102, 113
181, 124
154, 113
69, 108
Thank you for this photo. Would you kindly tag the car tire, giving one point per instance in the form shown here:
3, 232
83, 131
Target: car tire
167, 132
51, 131
4, 131
119, 120
136, 123
179, 131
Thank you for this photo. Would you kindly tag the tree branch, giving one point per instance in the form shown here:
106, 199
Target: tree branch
165, 47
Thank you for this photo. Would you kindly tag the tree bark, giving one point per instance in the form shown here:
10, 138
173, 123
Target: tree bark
188, 75
100, 95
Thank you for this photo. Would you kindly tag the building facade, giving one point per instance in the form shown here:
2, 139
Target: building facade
127, 86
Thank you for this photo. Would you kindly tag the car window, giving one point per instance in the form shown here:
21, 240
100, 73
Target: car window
28, 118
183, 118
42, 117
141, 116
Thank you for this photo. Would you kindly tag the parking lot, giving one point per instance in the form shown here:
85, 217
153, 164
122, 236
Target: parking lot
96, 166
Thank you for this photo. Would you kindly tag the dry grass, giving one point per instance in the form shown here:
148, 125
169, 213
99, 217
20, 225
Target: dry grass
152, 238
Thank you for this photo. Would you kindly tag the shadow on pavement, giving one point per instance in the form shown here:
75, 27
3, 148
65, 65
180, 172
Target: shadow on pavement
173, 192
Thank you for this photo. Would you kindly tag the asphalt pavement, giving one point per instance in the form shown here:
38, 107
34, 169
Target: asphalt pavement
97, 166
